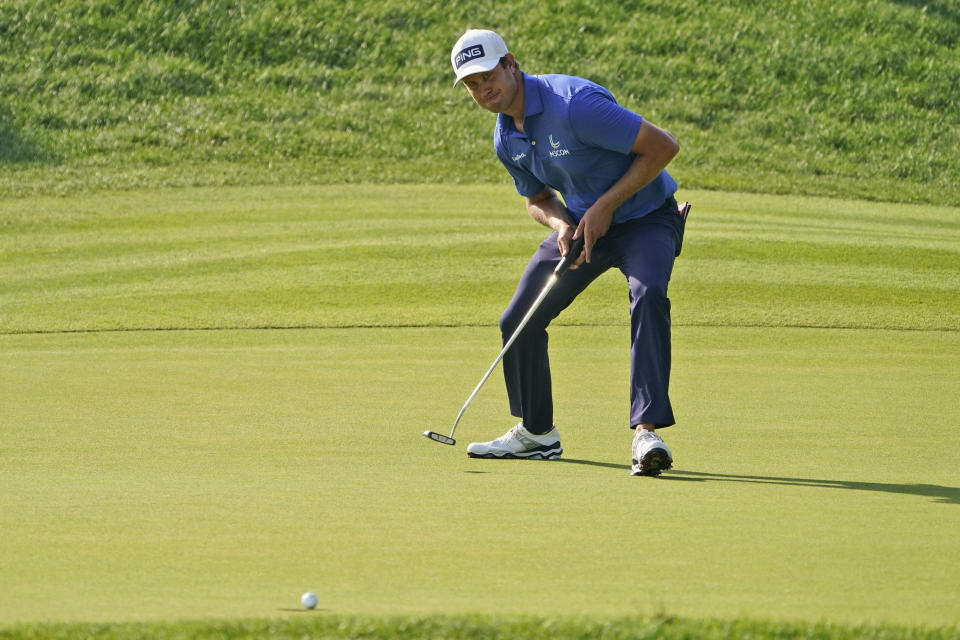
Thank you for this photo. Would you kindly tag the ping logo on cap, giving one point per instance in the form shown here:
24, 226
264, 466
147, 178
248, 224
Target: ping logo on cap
468, 54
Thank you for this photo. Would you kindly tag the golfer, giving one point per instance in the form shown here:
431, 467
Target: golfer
562, 134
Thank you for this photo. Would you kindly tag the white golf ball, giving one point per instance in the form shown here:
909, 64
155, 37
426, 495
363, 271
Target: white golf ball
309, 600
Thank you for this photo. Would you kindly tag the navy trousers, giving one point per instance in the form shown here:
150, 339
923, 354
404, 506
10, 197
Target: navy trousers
644, 250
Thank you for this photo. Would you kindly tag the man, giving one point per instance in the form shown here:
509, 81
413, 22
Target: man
563, 134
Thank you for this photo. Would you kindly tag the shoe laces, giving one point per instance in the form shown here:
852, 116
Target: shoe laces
644, 436
512, 434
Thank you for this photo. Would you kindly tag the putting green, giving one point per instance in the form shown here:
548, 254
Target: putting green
219, 474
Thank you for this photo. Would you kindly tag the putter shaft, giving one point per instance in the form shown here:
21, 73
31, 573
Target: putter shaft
560, 269
536, 305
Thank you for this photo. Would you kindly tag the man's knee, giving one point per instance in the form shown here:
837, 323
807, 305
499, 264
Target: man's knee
511, 318
507, 322
648, 291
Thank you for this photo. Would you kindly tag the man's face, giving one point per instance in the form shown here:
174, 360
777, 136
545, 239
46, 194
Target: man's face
494, 90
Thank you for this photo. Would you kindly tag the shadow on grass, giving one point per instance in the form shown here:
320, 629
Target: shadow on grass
593, 463
939, 493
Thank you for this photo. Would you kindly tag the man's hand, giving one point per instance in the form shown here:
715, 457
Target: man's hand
565, 240
593, 225
653, 148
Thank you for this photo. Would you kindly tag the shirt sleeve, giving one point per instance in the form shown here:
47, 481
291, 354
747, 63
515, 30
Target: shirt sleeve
526, 183
597, 120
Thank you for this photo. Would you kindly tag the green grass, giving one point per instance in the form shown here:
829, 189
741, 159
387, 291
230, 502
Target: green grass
212, 401
349, 256
212, 397
481, 628
190, 475
835, 98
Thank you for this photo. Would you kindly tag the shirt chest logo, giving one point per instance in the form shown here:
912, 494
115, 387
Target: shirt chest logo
556, 151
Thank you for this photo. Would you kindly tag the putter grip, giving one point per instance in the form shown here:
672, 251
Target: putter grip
570, 258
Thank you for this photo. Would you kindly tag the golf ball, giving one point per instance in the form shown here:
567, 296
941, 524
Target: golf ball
309, 600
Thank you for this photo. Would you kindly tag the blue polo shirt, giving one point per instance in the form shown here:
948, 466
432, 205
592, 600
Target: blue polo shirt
576, 140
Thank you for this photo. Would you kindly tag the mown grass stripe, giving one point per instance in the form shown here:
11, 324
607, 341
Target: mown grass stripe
402, 256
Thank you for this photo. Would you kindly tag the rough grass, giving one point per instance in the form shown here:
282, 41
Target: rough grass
840, 98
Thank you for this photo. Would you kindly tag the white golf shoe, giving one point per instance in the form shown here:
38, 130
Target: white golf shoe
519, 443
650, 455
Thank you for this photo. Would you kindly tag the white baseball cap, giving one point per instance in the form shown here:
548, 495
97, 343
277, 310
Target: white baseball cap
476, 51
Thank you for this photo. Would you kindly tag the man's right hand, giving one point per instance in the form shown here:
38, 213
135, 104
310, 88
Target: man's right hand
565, 241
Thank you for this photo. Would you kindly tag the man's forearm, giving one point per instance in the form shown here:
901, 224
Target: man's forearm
550, 211
642, 171
654, 149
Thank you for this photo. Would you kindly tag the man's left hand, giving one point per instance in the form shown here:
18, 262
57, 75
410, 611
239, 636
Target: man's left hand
593, 225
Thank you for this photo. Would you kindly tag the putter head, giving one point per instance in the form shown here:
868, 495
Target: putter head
439, 437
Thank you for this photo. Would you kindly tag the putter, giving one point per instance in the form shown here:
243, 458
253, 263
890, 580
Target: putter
561, 268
